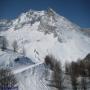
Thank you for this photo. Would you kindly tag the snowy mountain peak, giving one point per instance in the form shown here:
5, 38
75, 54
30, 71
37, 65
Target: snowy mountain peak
32, 14
36, 34
49, 17
46, 32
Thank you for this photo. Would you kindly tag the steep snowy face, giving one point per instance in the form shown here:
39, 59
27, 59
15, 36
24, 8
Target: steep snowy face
29, 17
62, 28
51, 21
45, 32
34, 79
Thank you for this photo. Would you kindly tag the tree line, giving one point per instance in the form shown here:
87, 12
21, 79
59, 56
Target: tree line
78, 72
7, 79
4, 44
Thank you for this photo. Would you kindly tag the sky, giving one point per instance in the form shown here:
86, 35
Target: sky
77, 11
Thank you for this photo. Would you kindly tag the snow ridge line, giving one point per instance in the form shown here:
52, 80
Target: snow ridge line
26, 68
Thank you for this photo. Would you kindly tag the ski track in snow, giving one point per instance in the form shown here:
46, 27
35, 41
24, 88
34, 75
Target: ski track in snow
26, 68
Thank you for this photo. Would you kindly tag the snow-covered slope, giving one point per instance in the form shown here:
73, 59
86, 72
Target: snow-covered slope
13, 60
39, 33
46, 32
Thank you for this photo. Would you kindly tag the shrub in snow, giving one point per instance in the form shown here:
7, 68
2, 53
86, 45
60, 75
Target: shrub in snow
15, 46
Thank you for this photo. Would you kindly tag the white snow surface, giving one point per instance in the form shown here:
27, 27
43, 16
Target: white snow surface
63, 39
41, 33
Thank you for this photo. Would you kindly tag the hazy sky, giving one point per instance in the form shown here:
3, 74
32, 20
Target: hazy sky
78, 11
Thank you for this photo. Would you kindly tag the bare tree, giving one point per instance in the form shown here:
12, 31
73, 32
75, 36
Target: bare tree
73, 75
88, 68
83, 83
55, 66
7, 78
15, 46
57, 76
4, 44
74, 82
50, 60
23, 51
67, 68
